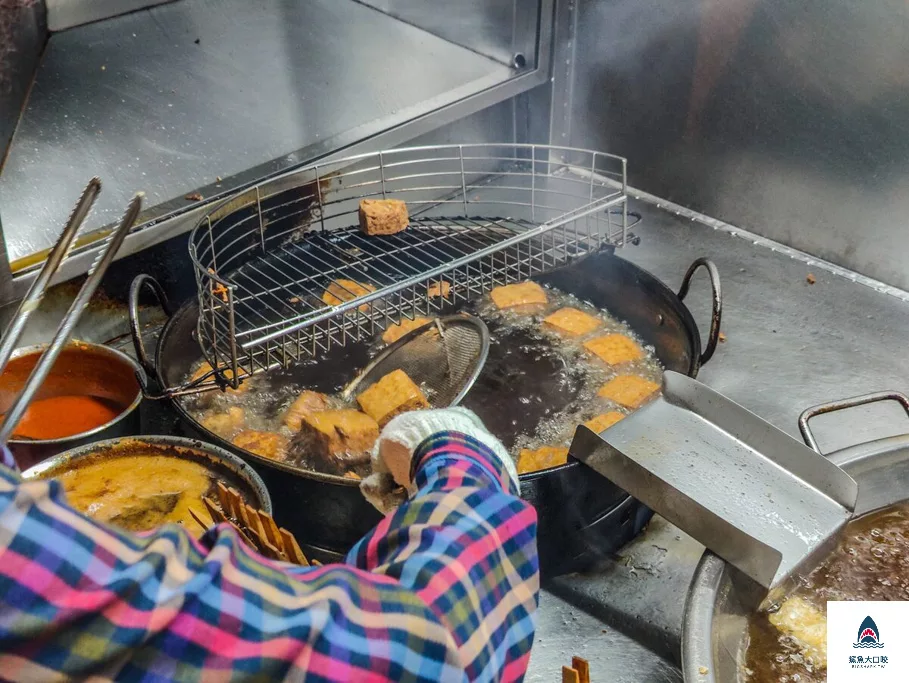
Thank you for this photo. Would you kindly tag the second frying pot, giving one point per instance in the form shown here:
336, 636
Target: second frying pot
581, 515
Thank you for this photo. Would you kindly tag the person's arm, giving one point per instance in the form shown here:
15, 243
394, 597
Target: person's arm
78, 598
466, 543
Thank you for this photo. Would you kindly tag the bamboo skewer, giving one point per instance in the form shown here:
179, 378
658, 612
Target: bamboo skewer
257, 528
578, 672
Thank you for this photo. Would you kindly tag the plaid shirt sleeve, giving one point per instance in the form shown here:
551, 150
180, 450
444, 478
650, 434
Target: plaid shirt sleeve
444, 589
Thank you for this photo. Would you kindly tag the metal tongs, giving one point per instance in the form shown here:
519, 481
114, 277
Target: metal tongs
39, 287
764, 502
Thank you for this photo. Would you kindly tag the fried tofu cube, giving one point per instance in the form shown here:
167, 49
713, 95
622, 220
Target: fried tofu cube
601, 423
570, 322
439, 290
614, 349
340, 434
630, 391
383, 216
392, 395
541, 458
226, 424
206, 368
340, 291
398, 330
267, 444
307, 402
524, 294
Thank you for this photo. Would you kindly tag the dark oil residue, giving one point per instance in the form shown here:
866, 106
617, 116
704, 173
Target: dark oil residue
533, 391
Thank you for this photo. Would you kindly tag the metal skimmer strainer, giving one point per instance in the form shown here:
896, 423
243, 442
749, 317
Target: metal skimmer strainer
444, 358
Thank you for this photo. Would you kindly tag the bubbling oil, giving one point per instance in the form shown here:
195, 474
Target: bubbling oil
534, 390
871, 562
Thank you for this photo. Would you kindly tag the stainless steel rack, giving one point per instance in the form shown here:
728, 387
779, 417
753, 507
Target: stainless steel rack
481, 216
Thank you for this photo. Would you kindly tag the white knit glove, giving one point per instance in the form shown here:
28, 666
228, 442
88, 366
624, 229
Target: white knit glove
390, 483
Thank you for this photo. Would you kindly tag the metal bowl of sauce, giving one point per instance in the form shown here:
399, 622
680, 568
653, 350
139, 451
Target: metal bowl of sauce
91, 393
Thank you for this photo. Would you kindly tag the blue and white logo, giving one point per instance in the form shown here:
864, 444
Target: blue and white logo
868, 635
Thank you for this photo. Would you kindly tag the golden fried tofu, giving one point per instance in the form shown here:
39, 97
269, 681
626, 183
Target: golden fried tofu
541, 458
392, 395
337, 434
206, 368
398, 330
267, 444
614, 349
570, 322
341, 290
440, 289
601, 423
226, 424
307, 402
525, 294
383, 216
630, 391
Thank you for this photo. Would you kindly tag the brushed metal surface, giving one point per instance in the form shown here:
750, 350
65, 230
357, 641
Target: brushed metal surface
267, 86
496, 28
64, 14
782, 505
783, 117
23, 32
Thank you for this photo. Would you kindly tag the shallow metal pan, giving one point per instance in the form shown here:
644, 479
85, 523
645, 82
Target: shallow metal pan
715, 626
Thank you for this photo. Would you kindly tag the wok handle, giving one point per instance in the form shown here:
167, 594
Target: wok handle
843, 404
717, 314
135, 289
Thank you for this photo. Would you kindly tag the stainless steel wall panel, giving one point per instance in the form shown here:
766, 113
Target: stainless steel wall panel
495, 28
210, 96
785, 117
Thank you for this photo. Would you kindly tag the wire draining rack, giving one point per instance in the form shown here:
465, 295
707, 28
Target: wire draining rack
481, 216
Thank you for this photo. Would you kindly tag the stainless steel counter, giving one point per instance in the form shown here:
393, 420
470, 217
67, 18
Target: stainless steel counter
210, 96
789, 345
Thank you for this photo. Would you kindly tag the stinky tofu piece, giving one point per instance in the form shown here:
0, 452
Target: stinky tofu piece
340, 435
392, 395
570, 322
267, 444
383, 216
206, 368
339, 291
440, 289
806, 625
614, 349
526, 295
226, 424
398, 330
630, 391
601, 423
307, 402
541, 458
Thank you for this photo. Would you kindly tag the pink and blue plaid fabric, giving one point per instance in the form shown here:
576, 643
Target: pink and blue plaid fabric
444, 589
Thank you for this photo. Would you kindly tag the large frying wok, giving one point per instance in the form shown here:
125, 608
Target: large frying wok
581, 515
714, 638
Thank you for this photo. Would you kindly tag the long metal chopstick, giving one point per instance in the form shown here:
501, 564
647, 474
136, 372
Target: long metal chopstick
65, 329
36, 292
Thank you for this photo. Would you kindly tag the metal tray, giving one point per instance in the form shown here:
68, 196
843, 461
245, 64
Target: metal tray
761, 500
